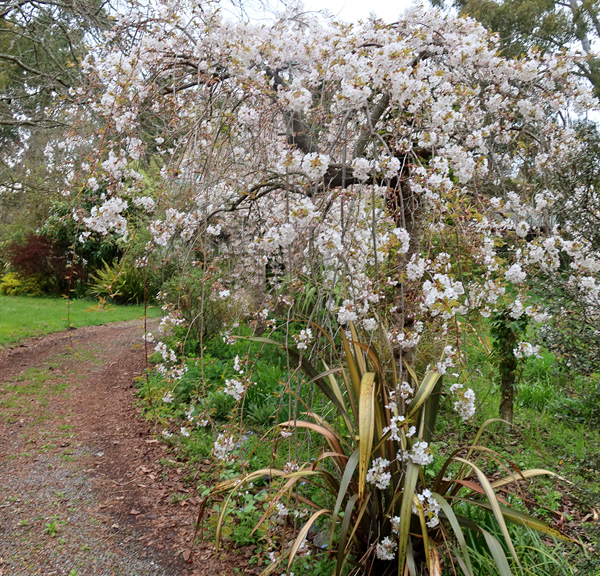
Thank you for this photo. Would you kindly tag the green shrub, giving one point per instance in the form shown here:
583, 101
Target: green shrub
122, 282
221, 406
12, 284
204, 314
262, 413
373, 481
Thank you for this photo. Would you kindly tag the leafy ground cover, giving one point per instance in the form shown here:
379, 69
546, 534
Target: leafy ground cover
555, 428
25, 316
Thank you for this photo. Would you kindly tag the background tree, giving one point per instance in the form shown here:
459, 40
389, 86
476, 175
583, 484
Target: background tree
42, 45
549, 25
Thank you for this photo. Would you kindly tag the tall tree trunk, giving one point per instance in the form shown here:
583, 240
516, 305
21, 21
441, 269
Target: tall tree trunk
505, 332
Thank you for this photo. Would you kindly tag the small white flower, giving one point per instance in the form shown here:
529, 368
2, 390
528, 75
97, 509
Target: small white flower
394, 427
234, 388
404, 238
228, 339
386, 549
370, 324
465, 403
421, 453
515, 274
430, 507
223, 446
526, 350
379, 474
346, 313
303, 339
184, 432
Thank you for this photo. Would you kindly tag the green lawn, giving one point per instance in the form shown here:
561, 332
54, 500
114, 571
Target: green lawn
26, 316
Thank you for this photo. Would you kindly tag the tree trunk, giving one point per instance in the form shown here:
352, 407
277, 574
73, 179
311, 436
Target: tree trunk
505, 332
508, 397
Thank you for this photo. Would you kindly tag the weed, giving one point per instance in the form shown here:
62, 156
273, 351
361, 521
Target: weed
51, 528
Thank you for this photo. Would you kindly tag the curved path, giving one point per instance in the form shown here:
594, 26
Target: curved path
85, 489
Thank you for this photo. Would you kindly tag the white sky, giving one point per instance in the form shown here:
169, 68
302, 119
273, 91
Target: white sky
353, 10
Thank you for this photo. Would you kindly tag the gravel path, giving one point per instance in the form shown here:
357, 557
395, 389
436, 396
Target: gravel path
85, 489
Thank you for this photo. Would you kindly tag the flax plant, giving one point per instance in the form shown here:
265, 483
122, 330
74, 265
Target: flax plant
386, 515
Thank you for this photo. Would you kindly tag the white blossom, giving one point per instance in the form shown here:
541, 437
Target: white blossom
526, 350
223, 446
421, 453
234, 388
379, 473
386, 549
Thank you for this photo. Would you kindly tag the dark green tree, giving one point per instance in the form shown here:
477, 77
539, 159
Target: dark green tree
545, 24
42, 44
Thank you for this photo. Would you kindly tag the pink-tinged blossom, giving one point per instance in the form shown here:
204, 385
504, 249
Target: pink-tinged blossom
223, 446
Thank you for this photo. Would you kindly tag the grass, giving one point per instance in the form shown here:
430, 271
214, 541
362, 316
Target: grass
25, 316
29, 394
556, 426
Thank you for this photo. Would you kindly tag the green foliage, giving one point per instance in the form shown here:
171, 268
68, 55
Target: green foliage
206, 375
262, 413
506, 333
12, 284
204, 312
64, 232
535, 556
221, 406
120, 282
360, 510
51, 528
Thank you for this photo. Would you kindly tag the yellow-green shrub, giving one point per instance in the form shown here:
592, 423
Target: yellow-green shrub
12, 284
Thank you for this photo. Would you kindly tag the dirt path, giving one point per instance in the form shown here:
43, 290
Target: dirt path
85, 489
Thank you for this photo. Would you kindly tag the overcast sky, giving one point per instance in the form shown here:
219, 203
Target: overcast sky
353, 10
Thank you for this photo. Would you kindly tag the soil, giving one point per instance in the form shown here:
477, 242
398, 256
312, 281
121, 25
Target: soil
86, 489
